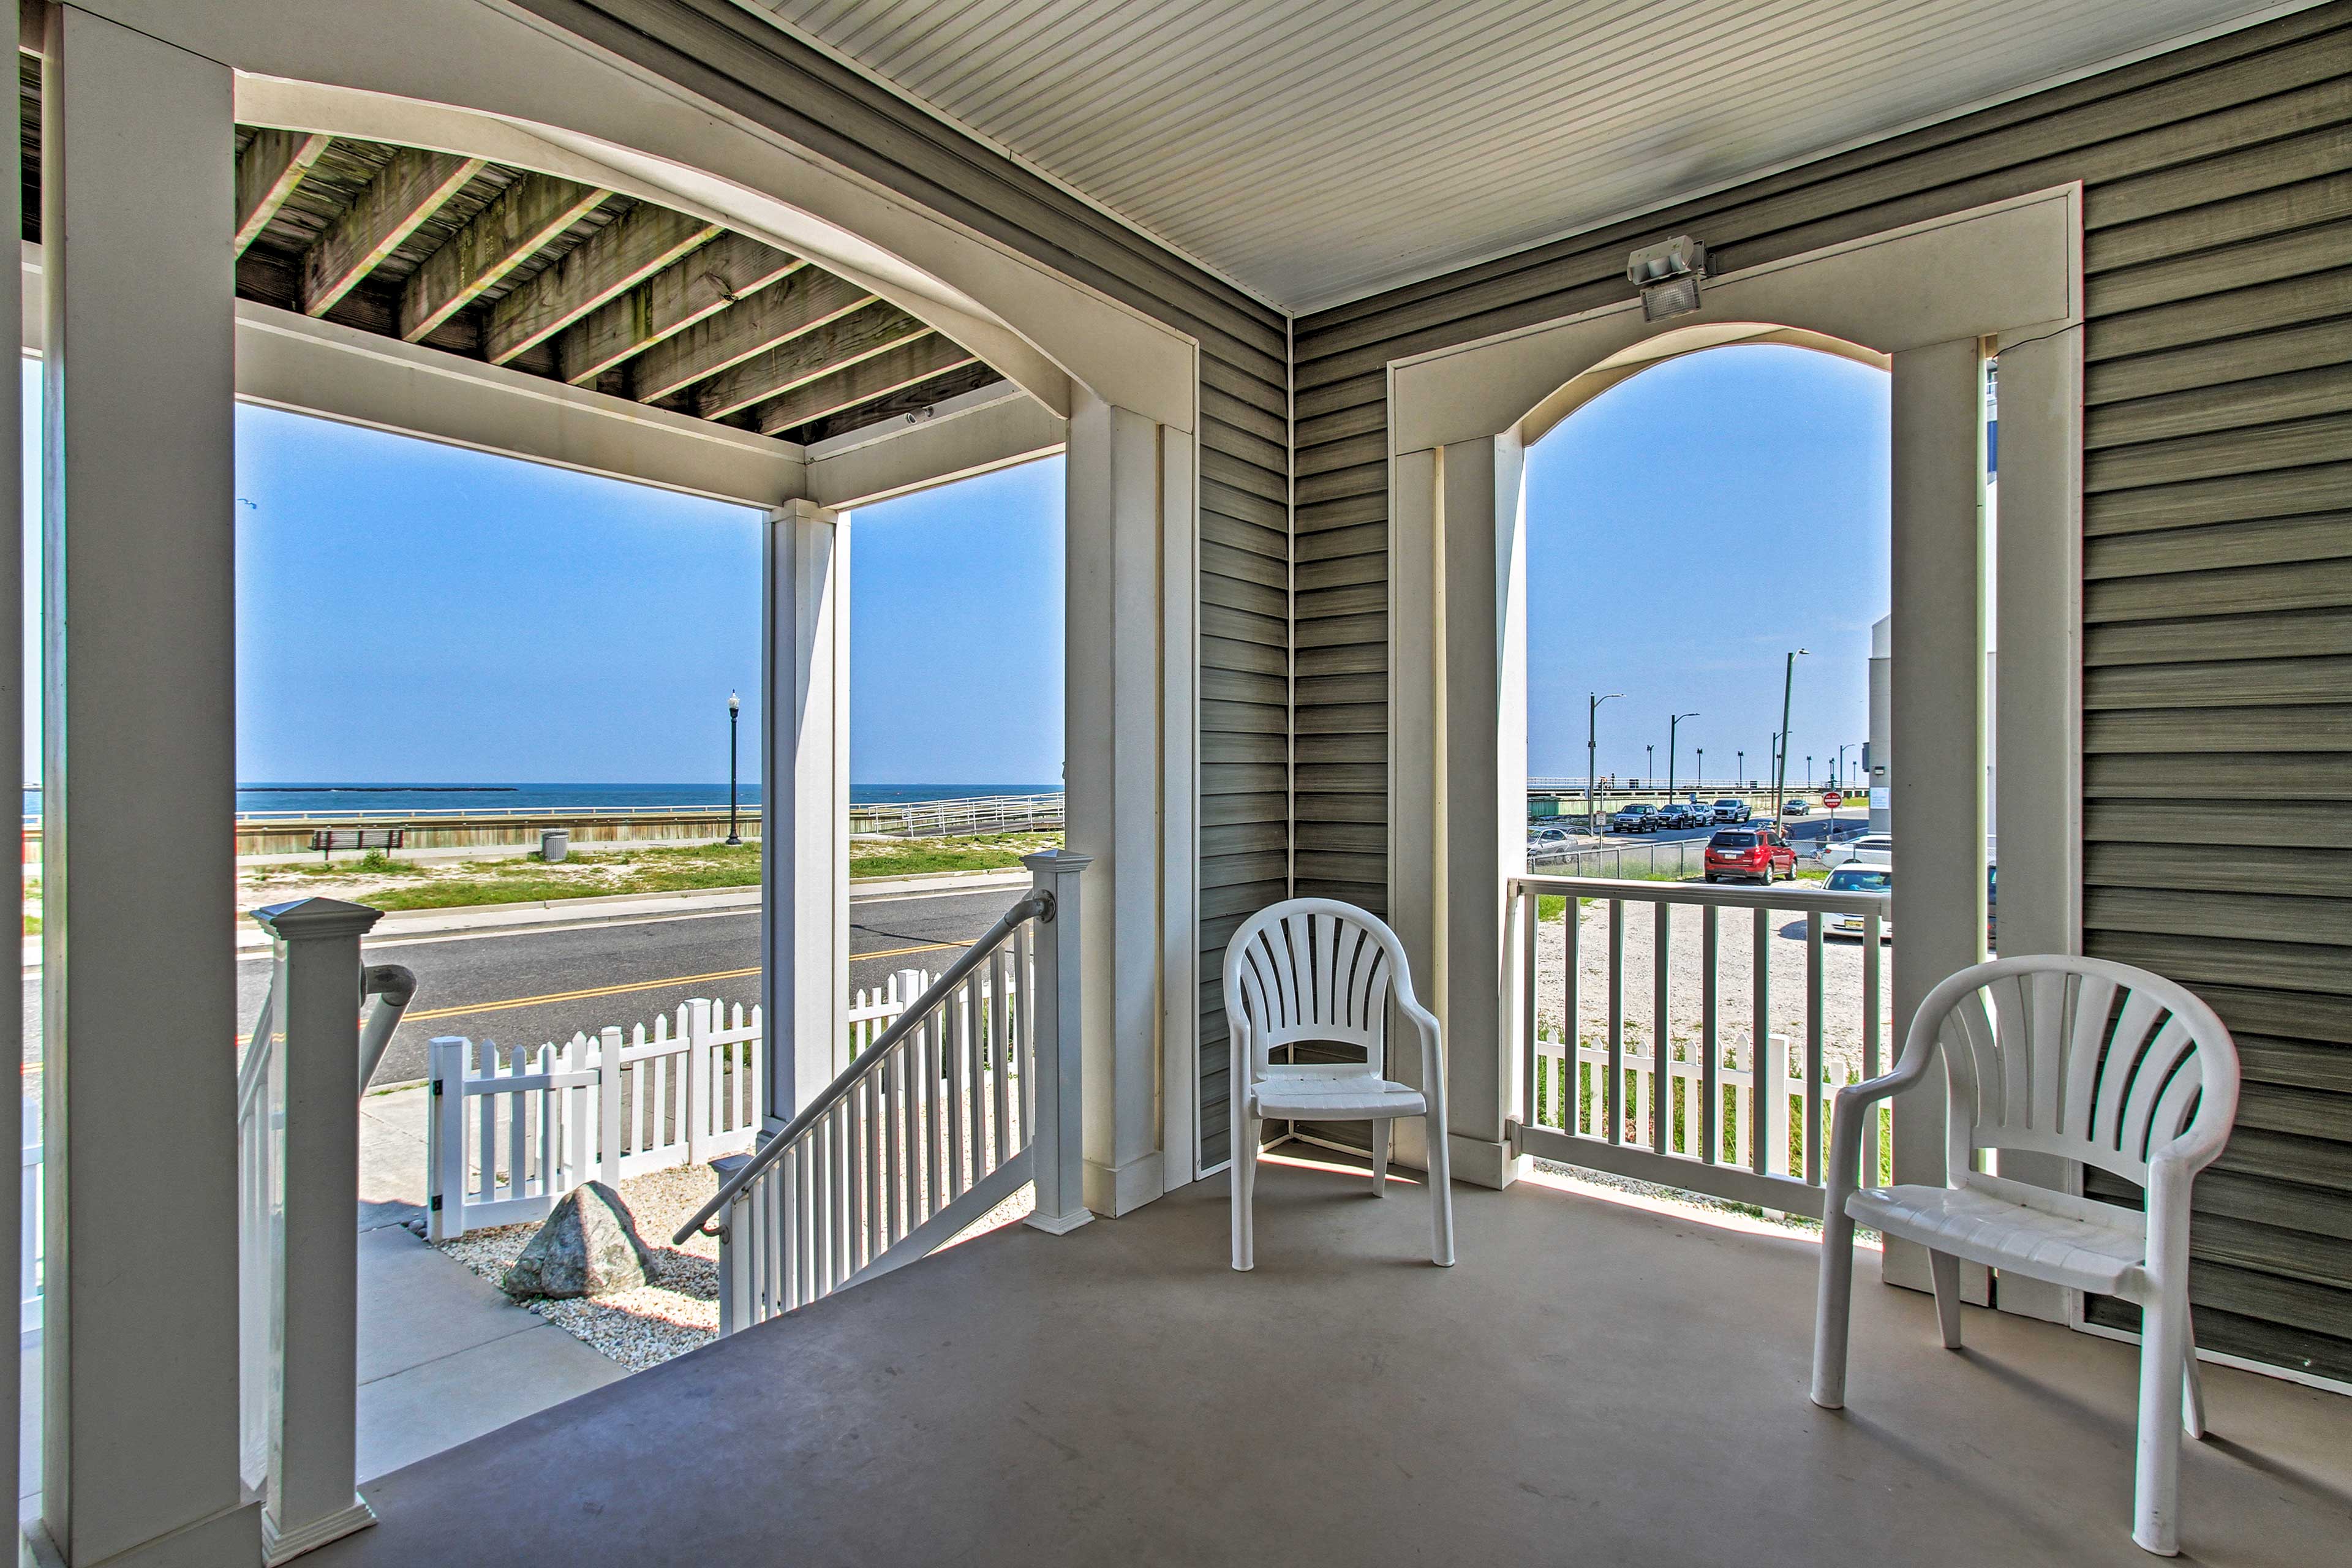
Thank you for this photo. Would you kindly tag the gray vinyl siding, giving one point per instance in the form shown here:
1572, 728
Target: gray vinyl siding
711, 47
2217, 566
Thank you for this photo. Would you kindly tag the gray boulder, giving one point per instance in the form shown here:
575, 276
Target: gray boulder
589, 1246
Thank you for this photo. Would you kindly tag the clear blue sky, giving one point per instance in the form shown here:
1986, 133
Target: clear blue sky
412, 612
1686, 530
464, 617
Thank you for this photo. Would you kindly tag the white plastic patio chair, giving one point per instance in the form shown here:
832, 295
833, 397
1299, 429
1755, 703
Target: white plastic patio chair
2082, 1058
1316, 970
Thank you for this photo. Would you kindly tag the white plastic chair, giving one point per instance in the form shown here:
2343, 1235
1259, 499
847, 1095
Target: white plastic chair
1316, 970
2088, 1060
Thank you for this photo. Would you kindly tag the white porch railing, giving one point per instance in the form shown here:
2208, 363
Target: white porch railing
971, 1092
504, 1144
307, 1061
1687, 1111
28, 1255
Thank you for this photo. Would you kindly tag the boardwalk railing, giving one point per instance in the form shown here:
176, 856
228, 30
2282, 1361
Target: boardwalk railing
1678, 1104
970, 1093
298, 1088
942, 818
512, 1132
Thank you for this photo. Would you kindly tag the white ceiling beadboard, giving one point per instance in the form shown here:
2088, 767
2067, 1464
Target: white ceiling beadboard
1313, 151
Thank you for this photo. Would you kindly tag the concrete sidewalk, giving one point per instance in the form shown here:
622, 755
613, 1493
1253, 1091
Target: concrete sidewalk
443, 1355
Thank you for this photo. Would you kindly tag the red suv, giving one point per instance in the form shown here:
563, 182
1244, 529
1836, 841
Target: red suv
1757, 851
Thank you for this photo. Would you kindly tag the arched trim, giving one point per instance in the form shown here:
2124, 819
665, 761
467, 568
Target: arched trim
1927, 302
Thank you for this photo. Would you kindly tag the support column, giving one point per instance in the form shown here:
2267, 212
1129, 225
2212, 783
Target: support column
1460, 775
1113, 649
1938, 725
140, 1430
804, 803
1417, 775
2037, 718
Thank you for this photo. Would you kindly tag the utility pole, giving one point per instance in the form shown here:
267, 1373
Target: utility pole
1780, 771
1592, 702
1671, 725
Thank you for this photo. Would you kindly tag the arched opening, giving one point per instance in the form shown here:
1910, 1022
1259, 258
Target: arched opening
1931, 304
1707, 551
493, 170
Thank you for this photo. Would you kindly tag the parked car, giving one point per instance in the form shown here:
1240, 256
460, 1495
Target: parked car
1639, 817
1799, 807
1760, 852
1694, 814
1549, 836
1855, 879
1732, 811
1869, 850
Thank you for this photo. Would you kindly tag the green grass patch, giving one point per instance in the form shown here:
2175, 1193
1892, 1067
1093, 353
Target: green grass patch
648, 869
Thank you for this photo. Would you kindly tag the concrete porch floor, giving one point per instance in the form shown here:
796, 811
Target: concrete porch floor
1594, 1383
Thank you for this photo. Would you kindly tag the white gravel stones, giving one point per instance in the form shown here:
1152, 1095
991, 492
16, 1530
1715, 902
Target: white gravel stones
677, 1311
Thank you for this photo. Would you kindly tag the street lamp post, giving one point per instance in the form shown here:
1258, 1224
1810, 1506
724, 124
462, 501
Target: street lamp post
1699, 783
1671, 724
1740, 773
1592, 702
734, 724
1787, 689
1809, 772
1650, 774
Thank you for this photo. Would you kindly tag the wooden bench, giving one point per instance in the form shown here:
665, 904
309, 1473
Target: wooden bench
327, 840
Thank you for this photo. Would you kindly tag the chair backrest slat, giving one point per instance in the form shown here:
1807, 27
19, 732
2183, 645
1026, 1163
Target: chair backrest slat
2083, 1058
1311, 971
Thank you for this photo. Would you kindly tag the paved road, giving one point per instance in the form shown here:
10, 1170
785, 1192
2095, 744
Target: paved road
540, 985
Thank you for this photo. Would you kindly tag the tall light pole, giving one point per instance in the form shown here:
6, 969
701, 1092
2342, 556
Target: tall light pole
734, 724
1788, 688
1651, 775
1740, 774
1809, 770
1671, 724
1592, 702
1840, 773
1699, 783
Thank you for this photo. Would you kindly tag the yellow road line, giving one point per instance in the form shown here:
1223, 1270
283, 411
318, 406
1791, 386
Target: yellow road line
593, 991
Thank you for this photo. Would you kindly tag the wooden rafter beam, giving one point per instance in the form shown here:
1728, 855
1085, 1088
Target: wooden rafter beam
515, 226
893, 370
772, 372
403, 193
800, 303
617, 257
729, 269
269, 169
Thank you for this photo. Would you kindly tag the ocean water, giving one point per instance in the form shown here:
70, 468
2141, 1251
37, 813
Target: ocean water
498, 797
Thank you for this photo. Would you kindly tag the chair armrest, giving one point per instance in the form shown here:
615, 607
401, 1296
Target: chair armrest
1432, 1060
1848, 1111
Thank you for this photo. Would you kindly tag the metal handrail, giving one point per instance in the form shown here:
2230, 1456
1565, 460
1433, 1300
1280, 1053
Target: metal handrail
1036, 904
394, 988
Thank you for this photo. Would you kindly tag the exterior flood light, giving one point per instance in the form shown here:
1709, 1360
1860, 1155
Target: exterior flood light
1668, 277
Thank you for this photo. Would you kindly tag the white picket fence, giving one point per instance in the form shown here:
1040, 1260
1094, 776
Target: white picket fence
513, 1130
691, 1090
1576, 1102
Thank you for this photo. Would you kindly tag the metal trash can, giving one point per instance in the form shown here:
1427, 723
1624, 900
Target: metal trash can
555, 844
